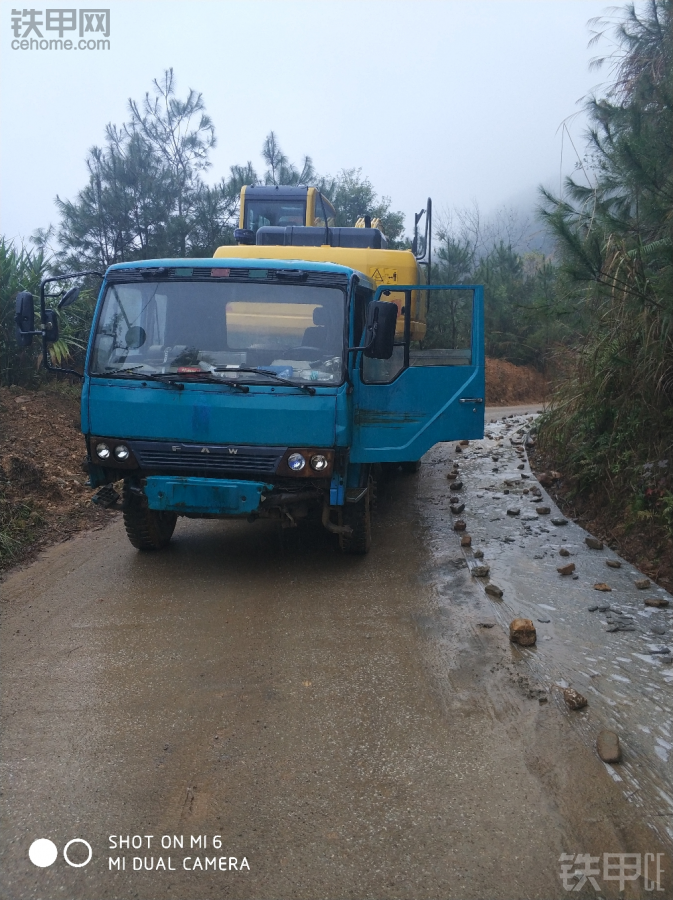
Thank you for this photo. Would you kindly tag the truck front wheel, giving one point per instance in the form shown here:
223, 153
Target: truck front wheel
146, 529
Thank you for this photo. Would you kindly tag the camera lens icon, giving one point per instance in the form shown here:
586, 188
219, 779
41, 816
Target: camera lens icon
43, 853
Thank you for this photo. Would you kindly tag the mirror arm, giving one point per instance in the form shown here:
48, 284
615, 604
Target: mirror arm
43, 308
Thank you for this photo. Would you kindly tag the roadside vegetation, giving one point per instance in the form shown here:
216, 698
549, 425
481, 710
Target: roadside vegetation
610, 425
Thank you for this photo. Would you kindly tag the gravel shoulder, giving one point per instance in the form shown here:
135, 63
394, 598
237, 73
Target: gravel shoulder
596, 634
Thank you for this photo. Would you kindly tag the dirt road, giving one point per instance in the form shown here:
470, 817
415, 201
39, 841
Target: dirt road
345, 725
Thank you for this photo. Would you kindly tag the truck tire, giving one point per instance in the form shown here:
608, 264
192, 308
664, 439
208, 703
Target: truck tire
411, 467
146, 529
358, 516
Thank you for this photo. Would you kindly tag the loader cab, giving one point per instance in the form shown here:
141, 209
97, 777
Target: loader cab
283, 206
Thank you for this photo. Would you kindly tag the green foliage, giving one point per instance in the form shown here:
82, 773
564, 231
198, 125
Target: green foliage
145, 197
526, 309
613, 414
20, 270
353, 195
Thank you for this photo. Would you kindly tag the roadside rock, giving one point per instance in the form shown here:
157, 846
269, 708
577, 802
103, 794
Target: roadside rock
452, 475
593, 543
456, 510
459, 525
607, 745
542, 510
557, 520
642, 583
480, 571
493, 590
545, 479
573, 699
513, 511
658, 629
457, 486
592, 608
613, 563
459, 449
466, 541
602, 586
566, 570
522, 632
656, 602
478, 554
564, 552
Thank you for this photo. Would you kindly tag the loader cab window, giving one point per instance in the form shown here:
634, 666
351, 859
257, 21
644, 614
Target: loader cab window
274, 212
319, 215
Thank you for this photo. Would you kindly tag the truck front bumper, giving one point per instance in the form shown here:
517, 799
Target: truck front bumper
204, 496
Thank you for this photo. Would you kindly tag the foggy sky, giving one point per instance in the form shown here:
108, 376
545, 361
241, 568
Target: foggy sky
459, 100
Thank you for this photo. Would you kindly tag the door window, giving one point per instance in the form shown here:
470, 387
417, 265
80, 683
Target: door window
448, 338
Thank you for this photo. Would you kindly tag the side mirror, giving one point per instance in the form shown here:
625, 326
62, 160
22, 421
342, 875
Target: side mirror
68, 298
380, 329
50, 324
24, 318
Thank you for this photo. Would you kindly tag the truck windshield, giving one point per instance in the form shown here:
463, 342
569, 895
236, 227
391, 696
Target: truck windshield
294, 331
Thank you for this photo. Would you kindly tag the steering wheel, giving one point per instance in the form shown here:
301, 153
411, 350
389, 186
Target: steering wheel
316, 351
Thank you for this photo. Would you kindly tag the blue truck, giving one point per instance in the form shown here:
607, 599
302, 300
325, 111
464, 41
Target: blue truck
256, 386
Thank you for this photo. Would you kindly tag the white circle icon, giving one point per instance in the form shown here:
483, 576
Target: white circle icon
43, 852
77, 841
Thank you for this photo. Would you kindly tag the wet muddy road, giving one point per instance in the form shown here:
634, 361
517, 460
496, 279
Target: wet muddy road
345, 724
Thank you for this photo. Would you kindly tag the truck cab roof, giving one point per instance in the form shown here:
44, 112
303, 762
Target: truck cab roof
165, 268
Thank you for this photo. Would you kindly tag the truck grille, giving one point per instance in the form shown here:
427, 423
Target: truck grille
212, 459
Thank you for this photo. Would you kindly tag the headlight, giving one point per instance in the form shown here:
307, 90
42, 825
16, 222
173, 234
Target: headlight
296, 462
318, 462
102, 451
122, 452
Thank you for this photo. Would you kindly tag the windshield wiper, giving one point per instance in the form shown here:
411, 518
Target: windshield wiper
258, 370
131, 372
175, 379
206, 376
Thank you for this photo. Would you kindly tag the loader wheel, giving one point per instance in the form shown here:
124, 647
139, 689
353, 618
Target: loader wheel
411, 467
147, 529
358, 516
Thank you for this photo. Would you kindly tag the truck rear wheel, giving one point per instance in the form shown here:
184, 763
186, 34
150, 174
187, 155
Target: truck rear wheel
358, 517
146, 529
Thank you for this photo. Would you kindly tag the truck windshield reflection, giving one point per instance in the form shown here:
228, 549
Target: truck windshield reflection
294, 331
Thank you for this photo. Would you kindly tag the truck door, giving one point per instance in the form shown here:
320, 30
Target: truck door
430, 390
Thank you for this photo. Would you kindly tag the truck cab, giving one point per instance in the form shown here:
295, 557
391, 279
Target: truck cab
266, 388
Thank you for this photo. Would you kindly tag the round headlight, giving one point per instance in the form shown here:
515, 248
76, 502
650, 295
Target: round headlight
296, 462
122, 452
318, 462
102, 451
